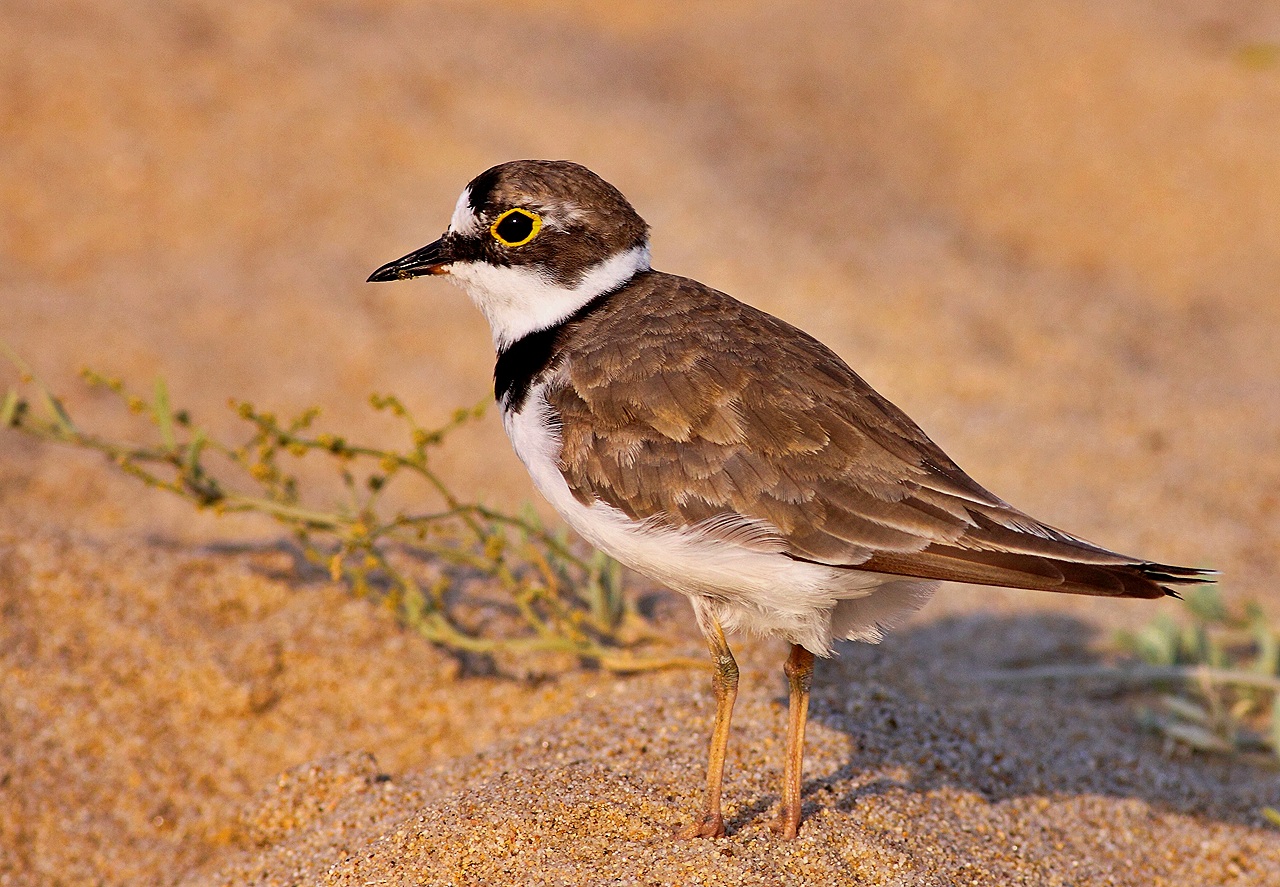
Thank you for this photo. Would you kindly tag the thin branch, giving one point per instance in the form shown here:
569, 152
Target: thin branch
352, 539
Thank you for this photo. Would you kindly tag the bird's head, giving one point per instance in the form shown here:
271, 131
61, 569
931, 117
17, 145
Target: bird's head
531, 242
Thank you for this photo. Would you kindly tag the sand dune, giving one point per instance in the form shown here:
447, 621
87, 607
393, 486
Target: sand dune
1047, 231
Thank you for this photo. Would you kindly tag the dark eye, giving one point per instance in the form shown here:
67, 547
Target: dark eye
515, 227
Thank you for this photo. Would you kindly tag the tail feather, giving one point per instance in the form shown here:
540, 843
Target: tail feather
1125, 578
1165, 573
1008, 548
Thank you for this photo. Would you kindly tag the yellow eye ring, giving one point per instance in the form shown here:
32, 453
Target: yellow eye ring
520, 227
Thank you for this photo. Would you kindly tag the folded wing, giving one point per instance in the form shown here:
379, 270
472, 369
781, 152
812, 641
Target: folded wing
764, 422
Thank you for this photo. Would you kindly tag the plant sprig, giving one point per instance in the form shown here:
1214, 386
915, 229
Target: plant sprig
1229, 697
1217, 673
553, 599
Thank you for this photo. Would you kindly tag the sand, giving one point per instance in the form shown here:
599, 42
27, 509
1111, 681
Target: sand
1047, 231
918, 775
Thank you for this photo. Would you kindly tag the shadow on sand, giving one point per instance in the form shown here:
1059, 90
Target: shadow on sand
919, 707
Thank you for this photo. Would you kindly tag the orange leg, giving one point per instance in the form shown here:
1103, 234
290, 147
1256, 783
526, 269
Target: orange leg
724, 683
799, 672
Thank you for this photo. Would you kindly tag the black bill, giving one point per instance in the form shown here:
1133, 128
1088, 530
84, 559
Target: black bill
434, 258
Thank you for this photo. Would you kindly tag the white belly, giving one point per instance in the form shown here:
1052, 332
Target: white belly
740, 570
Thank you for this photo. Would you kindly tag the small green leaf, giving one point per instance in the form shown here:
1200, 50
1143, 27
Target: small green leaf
194, 449
1199, 738
1268, 659
1185, 709
1275, 725
1194, 644
65, 425
163, 415
1271, 815
1214, 653
1157, 643
9, 412
529, 517
1242, 708
1206, 603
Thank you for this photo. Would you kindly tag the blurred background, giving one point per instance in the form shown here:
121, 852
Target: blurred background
1050, 232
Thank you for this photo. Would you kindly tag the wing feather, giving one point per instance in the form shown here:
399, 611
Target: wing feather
761, 424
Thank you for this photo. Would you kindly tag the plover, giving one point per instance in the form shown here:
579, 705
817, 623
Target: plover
724, 453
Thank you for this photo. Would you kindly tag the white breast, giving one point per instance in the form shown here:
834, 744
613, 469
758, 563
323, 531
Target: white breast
735, 566
519, 300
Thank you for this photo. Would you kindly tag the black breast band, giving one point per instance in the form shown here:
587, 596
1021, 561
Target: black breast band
522, 363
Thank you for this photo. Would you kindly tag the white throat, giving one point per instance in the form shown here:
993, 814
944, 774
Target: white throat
517, 301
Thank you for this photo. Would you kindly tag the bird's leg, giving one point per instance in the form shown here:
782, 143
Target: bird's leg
799, 672
724, 683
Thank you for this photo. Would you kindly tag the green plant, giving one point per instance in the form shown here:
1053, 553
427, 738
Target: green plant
1217, 672
421, 565
1228, 695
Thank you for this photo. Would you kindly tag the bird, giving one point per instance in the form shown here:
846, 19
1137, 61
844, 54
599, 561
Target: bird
725, 453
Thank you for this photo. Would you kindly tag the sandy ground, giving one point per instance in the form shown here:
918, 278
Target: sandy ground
1048, 231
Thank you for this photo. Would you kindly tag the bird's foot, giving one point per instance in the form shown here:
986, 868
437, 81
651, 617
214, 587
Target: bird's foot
710, 826
787, 825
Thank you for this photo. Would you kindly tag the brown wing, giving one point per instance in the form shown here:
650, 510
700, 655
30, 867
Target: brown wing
764, 422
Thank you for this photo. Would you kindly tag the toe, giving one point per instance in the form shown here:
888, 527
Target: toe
707, 827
